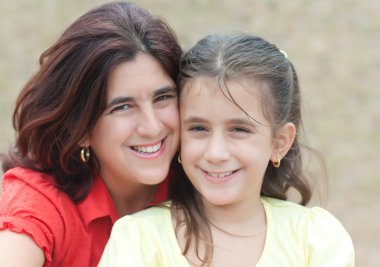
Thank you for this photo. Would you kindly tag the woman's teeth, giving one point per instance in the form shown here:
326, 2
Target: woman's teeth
147, 149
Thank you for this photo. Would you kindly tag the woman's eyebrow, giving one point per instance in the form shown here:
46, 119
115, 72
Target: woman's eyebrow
124, 99
165, 90
119, 100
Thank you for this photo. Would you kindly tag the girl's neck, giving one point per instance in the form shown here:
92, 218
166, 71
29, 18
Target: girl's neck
244, 219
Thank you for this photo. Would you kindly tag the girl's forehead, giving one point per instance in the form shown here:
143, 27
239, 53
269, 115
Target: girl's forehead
214, 85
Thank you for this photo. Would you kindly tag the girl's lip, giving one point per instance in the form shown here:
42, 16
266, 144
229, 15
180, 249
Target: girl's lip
219, 177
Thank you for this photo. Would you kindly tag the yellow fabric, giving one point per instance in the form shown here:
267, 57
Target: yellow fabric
296, 237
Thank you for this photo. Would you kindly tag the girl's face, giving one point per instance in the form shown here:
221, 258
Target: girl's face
137, 136
223, 152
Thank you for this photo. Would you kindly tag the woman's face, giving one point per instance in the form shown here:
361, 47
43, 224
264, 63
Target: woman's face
137, 136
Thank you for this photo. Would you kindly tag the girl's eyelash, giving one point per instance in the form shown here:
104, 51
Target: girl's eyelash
240, 129
197, 128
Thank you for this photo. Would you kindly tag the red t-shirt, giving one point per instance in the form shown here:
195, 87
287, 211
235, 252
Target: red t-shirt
69, 234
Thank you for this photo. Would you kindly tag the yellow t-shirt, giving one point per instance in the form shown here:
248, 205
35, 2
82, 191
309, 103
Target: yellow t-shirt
296, 237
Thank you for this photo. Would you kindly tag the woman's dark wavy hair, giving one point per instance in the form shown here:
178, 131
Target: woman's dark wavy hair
62, 102
247, 57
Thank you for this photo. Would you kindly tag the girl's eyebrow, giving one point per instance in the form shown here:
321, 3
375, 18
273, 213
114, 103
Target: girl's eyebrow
124, 99
194, 119
239, 121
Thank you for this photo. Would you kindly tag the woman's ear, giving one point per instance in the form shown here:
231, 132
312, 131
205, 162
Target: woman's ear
283, 140
85, 142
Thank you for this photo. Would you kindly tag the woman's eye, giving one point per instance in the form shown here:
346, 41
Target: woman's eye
162, 98
120, 108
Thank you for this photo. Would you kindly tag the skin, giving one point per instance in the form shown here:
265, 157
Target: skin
135, 140
12, 243
225, 155
137, 136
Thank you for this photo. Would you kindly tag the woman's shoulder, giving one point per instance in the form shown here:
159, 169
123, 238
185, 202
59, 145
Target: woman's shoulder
28, 177
28, 187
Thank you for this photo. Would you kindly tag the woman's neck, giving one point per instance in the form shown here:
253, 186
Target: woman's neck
132, 199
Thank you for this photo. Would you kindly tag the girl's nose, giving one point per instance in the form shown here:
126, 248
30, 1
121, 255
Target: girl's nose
217, 149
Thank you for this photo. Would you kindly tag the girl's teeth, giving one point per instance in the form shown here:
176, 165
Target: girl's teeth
219, 175
147, 149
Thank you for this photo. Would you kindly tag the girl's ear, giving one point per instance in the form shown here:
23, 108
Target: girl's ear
283, 140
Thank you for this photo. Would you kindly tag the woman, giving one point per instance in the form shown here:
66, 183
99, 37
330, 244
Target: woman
97, 127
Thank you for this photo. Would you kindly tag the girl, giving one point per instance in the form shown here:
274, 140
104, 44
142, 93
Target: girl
97, 128
241, 151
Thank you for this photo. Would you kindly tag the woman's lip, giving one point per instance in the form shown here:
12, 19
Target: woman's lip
153, 155
151, 144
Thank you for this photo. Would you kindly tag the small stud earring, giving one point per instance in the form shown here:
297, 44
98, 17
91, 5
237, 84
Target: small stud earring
277, 163
179, 159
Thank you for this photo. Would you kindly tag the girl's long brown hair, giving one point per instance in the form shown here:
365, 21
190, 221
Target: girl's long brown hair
233, 57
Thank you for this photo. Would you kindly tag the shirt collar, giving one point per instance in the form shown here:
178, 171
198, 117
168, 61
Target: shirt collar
97, 204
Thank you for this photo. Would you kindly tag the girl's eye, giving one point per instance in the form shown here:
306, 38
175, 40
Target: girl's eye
197, 129
240, 130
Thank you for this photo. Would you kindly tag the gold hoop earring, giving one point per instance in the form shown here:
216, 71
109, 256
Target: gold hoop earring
85, 154
277, 163
179, 159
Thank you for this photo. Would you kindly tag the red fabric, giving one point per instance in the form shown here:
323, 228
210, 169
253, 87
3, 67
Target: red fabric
69, 234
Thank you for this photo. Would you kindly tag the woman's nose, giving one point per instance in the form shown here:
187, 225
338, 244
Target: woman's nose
149, 123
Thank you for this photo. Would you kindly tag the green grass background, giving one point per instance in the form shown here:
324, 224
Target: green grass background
334, 46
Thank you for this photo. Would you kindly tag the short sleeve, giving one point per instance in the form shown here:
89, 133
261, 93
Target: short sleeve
25, 210
328, 243
130, 245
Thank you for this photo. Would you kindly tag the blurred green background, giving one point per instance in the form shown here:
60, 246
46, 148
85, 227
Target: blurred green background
334, 46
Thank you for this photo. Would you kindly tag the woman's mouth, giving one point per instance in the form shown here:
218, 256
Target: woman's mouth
147, 149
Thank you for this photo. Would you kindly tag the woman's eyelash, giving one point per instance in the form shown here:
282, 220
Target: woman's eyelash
163, 97
120, 107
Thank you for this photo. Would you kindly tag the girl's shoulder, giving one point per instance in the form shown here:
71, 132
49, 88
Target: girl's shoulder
314, 229
293, 212
145, 238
